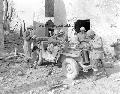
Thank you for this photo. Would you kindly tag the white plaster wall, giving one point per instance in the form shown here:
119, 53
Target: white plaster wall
60, 14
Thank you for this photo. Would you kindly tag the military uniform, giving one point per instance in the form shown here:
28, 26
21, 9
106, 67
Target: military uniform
27, 44
36, 56
33, 41
81, 37
97, 51
53, 48
83, 42
116, 46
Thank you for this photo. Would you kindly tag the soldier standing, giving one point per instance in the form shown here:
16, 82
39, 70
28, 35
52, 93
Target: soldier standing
27, 44
33, 41
97, 52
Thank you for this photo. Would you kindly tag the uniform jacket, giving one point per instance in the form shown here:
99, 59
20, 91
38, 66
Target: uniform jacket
97, 48
81, 37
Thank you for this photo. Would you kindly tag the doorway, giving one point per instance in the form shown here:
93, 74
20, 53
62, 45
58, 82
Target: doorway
49, 26
77, 25
82, 23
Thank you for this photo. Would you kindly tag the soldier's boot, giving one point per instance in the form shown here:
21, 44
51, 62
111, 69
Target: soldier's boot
104, 70
94, 75
95, 69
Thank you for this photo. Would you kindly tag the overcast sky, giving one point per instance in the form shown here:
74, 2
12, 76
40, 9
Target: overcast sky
28, 7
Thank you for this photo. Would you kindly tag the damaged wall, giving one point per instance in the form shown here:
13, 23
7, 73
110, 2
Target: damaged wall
1, 27
103, 14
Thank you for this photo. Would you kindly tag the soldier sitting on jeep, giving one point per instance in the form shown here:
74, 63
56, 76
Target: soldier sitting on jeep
84, 43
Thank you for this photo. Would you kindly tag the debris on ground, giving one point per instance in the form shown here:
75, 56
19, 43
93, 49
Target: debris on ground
17, 76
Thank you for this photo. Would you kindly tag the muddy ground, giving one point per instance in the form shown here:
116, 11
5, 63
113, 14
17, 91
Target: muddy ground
18, 78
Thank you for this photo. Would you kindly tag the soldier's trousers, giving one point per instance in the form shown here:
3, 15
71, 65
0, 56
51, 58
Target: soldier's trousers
94, 63
85, 55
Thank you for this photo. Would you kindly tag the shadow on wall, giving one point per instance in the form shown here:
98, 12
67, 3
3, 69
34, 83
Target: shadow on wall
59, 13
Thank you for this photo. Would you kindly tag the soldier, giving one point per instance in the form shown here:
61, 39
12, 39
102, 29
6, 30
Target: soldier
83, 42
97, 52
27, 44
81, 35
116, 46
33, 41
36, 57
53, 41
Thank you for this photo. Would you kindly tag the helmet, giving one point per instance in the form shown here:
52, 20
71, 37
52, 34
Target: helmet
82, 29
90, 33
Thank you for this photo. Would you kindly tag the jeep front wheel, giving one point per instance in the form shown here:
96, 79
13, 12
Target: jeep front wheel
70, 68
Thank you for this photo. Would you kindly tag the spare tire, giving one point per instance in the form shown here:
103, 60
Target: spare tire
70, 68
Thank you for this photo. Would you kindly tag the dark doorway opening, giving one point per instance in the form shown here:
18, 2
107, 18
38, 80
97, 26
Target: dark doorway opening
82, 23
49, 28
77, 25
